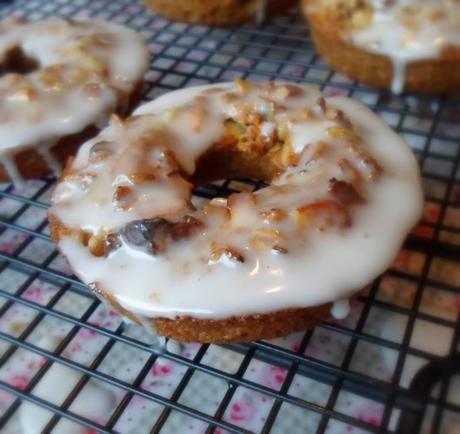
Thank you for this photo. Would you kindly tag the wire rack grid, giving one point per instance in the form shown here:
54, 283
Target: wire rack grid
69, 364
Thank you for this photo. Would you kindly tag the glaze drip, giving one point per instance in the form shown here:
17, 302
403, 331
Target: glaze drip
420, 30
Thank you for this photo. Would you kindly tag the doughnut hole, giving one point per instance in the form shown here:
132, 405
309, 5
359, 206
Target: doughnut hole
17, 61
242, 154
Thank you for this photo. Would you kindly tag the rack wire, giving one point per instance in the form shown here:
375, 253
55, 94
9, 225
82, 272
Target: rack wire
392, 366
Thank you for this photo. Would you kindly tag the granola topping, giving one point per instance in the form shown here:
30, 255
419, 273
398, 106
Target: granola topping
338, 179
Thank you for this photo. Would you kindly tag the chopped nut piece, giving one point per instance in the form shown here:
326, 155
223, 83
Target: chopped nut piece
84, 179
264, 239
253, 118
273, 215
319, 150
371, 166
338, 116
195, 117
96, 245
295, 90
244, 198
229, 97
242, 85
349, 169
216, 211
171, 113
100, 152
279, 249
185, 228
84, 237
123, 198
51, 76
139, 177
323, 215
92, 91
229, 252
111, 243
282, 132
322, 103
344, 192
24, 94
93, 63
307, 114
116, 120
281, 92
234, 128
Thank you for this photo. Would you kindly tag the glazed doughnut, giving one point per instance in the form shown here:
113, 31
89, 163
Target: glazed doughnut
61, 80
411, 45
344, 190
218, 12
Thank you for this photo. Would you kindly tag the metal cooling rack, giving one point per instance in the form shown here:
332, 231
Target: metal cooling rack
392, 366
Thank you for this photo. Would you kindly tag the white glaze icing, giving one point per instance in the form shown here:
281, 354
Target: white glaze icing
87, 68
319, 267
410, 30
340, 309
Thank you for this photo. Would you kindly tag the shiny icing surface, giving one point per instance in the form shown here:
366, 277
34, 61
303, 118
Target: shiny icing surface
333, 218
85, 69
410, 30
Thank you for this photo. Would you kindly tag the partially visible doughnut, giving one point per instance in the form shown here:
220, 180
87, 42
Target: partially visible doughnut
343, 192
218, 12
61, 79
411, 45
